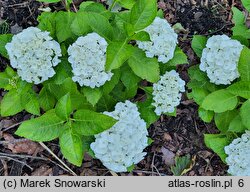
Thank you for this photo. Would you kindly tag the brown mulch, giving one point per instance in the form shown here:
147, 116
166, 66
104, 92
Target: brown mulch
172, 137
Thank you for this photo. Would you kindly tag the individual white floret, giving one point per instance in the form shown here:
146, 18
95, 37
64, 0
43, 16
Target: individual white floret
238, 158
220, 59
122, 145
88, 57
167, 92
163, 41
34, 54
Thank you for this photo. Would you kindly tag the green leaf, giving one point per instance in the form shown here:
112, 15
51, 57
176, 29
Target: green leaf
143, 14
46, 99
246, 4
106, 103
220, 101
223, 120
128, 4
92, 95
11, 104
80, 25
217, 142
241, 88
110, 85
141, 36
63, 107
63, 24
129, 79
4, 39
100, 25
179, 58
244, 64
44, 128
198, 44
93, 7
117, 54
181, 164
237, 125
198, 94
6, 78
30, 102
89, 123
147, 113
146, 68
244, 113
71, 146
205, 115
47, 22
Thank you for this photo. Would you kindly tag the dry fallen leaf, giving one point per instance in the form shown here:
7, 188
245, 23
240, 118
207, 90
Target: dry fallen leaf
168, 156
21, 146
44, 170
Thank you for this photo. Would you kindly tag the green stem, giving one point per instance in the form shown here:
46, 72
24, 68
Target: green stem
112, 5
67, 5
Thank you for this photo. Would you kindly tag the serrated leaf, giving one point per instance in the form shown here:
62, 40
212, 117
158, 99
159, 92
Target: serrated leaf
63, 107
63, 24
117, 54
71, 146
223, 120
179, 58
236, 125
46, 99
80, 25
181, 163
129, 79
146, 68
198, 44
92, 95
128, 4
30, 102
246, 4
198, 94
220, 101
106, 103
244, 64
4, 39
43, 128
47, 22
143, 14
205, 115
244, 113
11, 104
110, 85
241, 88
217, 142
89, 123
141, 36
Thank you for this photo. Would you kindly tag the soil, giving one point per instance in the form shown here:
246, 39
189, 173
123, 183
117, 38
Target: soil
173, 136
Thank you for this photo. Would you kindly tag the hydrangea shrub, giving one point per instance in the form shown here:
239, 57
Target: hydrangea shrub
77, 73
220, 85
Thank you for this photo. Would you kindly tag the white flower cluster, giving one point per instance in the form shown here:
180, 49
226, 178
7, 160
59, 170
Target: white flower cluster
166, 92
122, 145
88, 57
34, 54
220, 59
239, 156
163, 41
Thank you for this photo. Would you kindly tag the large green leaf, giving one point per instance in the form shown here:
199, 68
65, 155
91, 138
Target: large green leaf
126, 3
71, 146
223, 120
244, 64
179, 58
44, 128
246, 4
4, 39
220, 101
46, 99
146, 68
241, 88
217, 142
129, 79
11, 103
63, 24
88, 122
237, 125
30, 102
206, 116
198, 44
244, 113
117, 54
63, 107
47, 22
143, 14
80, 25
92, 95
6, 78
110, 85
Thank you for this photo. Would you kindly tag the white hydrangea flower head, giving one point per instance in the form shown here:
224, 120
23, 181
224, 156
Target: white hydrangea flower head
238, 158
163, 40
34, 54
122, 145
220, 59
167, 92
88, 57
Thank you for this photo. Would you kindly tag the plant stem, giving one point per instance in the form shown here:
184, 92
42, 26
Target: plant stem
112, 5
